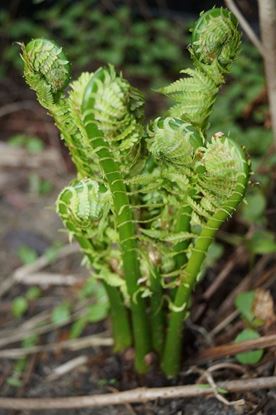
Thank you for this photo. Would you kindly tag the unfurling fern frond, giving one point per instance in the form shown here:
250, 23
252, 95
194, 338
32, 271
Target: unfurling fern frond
47, 71
83, 208
222, 167
173, 141
215, 44
216, 38
117, 110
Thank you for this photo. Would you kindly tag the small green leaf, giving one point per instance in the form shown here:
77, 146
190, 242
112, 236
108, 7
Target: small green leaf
26, 254
88, 288
52, 252
77, 327
38, 185
61, 313
97, 312
262, 242
214, 253
34, 144
251, 357
244, 304
14, 381
33, 293
31, 143
254, 209
30, 341
19, 306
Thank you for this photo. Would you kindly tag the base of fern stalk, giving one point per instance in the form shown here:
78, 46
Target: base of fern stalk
119, 319
171, 360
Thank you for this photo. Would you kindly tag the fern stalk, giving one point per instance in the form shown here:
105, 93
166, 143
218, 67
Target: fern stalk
157, 317
189, 277
125, 227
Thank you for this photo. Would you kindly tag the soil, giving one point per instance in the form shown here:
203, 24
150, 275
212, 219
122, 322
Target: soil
28, 218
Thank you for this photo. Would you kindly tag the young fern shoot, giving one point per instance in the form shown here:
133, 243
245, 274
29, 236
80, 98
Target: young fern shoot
147, 200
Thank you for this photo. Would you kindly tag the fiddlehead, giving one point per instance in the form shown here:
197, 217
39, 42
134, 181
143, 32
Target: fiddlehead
83, 208
216, 38
117, 110
173, 141
46, 69
47, 72
215, 44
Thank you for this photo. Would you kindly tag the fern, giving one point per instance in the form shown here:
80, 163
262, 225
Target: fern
140, 190
215, 43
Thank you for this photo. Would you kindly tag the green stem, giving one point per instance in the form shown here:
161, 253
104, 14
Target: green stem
126, 230
157, 312
172, 351
182, 225
119, 317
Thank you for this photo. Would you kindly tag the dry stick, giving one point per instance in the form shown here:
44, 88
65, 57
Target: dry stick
267, 14
208, 376
35, 266
67, 367
135, 395
245, 283
20, 334
94, 340
17, 106
234, 348
225, 272
50, 278
224, 323
245, 26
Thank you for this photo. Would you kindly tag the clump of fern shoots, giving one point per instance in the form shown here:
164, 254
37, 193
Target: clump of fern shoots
147, 200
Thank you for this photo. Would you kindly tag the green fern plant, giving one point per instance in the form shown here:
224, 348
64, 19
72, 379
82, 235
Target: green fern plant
147, 200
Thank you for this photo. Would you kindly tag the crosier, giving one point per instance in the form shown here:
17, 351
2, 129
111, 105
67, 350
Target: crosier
147, 200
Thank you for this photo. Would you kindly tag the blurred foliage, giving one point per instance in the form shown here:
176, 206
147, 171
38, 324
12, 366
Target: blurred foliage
26, 254
31, 143
92, 36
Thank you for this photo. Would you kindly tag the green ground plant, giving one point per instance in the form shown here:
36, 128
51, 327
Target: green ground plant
147, 200
145, 48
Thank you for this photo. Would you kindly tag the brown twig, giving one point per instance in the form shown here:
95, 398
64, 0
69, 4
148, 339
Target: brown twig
67, 367
73, 344
135, 395
35, 266
17, 106
224, 323
206, 374
20, 334
245, 284
234, 348
49, 278
225, 272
